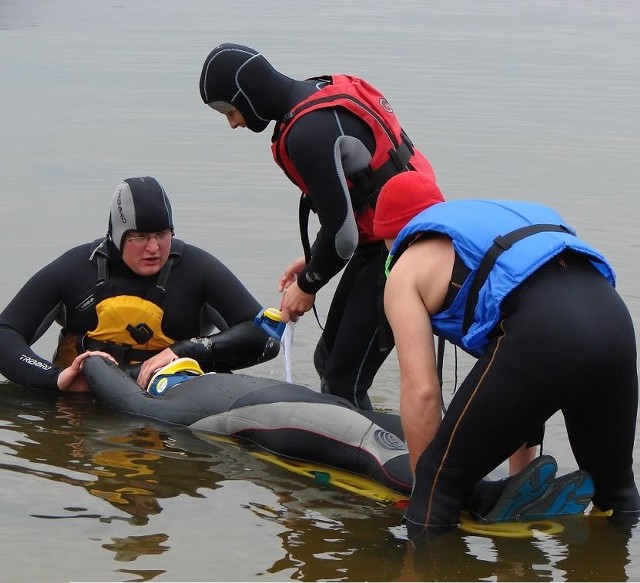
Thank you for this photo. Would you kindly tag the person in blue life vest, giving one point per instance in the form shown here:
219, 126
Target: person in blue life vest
512, 284
338, 140
139, 296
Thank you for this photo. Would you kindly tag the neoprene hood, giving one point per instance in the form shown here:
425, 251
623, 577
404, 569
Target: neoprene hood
139, 204
239, 76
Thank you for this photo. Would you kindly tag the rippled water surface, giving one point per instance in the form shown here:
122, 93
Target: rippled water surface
530, 100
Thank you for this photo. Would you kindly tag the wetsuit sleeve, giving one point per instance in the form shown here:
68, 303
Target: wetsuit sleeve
238, 347
20, 324
316, 147
240, 343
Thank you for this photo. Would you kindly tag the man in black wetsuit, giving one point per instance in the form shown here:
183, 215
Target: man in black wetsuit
138, 295
512, 284
338, 140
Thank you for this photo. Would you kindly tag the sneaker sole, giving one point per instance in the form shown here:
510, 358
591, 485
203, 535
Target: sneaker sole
523, 489
567, 495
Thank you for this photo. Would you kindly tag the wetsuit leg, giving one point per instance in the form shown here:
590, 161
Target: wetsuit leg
564, 333
601, 414
348, 355
489, 417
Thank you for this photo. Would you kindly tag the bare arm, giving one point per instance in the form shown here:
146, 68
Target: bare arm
416, 288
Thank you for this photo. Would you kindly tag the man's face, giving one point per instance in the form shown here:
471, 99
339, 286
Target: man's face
146, 253
235, 119
232, 113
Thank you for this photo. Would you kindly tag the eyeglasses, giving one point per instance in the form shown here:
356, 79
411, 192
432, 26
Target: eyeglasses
143, 240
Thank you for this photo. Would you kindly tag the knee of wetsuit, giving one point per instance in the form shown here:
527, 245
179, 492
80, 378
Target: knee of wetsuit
624, 500
359, 401
363, 402
320, 357
336, 385
442, 515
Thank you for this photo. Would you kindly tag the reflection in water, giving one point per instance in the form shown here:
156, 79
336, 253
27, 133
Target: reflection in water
136, 465
588, 549
130, 548
131, 468
326, 543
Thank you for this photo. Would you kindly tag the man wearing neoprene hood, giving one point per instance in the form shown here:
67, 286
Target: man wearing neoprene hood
139, 295
338, 140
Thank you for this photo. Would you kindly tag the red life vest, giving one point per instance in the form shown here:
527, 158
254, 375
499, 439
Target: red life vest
394, 151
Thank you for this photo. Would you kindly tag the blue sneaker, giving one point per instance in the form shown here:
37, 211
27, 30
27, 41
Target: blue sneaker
567, 495
523, 489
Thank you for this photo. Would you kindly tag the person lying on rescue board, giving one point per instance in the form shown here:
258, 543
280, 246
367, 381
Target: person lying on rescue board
138, 296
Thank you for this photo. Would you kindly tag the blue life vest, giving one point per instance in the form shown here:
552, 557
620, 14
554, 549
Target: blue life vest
502, 243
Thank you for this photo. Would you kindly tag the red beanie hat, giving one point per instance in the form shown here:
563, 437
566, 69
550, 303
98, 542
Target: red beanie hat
401, 198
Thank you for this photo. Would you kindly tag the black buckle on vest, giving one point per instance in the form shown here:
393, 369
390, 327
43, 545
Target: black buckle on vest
141, 333
363, 188
367, 182
502, 242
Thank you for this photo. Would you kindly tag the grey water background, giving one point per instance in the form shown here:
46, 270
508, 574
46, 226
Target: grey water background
535, 100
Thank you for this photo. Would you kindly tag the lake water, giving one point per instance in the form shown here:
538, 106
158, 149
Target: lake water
528, 100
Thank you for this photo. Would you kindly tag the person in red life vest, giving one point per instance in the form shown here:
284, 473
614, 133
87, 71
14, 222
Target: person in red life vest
512, 284
338, 140
139, 296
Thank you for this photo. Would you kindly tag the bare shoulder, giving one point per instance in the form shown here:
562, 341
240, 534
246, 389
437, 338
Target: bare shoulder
426, 267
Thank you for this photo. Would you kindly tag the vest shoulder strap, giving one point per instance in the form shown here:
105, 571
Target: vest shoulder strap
500, 244
100, 254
